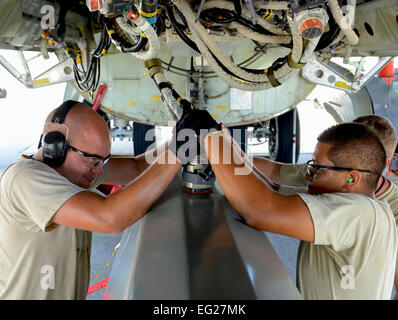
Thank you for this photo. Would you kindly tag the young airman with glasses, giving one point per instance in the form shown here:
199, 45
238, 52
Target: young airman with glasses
348, 238
294, 175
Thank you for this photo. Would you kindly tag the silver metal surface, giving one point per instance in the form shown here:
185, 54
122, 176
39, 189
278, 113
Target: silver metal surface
253, 13
23, 78
194, 247
327, 74
133, 95
61, 72
320, 73
378, 29
371, 73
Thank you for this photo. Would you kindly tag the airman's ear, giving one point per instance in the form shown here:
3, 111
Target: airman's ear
353, 179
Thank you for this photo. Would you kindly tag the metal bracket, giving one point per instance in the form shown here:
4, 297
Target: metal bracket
121, 129
367, 77
323, 74
252, 11
202, 2
61, 72
25, 79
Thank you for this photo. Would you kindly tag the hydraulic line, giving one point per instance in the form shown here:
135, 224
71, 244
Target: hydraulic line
274, 5
175, 104
212, 47
330, 36
251, 34
177, 29
231, 81
137, 47
142, 26
243, 25
246, 13
342, 21
238, 7
294, 64
121, 43
191, 43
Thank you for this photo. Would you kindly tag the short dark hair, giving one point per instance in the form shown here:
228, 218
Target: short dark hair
384, 129
355, 145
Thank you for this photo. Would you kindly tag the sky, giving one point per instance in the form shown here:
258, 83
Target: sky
23, 110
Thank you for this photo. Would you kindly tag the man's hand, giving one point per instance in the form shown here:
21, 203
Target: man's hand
196, 120
189, 126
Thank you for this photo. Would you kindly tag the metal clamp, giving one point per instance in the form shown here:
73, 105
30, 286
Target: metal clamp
338, 77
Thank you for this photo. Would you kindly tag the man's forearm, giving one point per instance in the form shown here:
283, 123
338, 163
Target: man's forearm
269, 168
250, 162
133, 201
255, 201
121, 171
88, 211
144, 160
235, 174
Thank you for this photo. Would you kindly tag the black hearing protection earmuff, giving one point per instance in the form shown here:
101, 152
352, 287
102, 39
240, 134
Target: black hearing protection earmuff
54, 145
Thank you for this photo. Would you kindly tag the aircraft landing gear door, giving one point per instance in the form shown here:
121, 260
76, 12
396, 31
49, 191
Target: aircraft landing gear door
284, 138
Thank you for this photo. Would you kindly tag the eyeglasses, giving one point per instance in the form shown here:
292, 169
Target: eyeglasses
92, 157
312, 168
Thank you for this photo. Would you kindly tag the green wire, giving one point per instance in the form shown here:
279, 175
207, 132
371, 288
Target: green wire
125, 19
149, 10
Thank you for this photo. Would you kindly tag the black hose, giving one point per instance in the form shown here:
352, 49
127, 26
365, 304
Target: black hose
90, 80
328, 37
121, 43
191, 44
238, 7
135, 48
247, 23
187, 40
177, 29
211, 15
